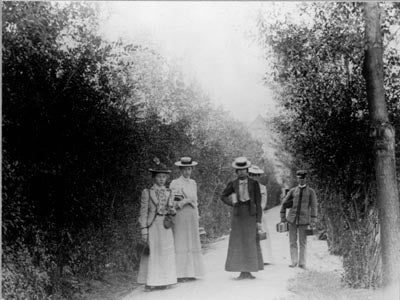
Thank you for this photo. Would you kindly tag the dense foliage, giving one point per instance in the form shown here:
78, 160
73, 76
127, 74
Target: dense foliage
317, 66
82, 119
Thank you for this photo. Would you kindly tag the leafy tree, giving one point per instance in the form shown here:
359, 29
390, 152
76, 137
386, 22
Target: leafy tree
82, 118
319, 82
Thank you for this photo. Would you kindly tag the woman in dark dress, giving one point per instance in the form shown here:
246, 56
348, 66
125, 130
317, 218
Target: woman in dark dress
243, 193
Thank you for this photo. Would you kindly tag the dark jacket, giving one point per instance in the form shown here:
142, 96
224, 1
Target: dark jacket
300, 213
254, 194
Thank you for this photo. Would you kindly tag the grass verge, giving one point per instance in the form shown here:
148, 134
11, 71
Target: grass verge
314, 285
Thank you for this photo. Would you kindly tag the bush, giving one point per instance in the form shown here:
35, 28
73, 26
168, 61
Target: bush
320, 86
22, 276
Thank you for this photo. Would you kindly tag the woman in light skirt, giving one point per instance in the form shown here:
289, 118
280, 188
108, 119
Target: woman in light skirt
255, 173
157, 270
189, 260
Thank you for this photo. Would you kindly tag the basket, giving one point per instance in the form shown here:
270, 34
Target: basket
282, 227
262, 235
311, 230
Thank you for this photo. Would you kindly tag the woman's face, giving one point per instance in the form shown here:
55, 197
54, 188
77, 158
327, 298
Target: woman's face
161, 178
254, 176
186, 171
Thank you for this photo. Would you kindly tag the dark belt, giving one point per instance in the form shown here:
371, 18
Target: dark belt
244, 202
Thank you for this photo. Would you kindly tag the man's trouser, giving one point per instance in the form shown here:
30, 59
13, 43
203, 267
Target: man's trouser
294, 253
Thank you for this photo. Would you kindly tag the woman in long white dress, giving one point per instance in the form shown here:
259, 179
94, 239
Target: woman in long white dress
189, 260
157, 270
255, 173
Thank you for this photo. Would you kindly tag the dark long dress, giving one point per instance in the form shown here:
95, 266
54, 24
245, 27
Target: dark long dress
244, 251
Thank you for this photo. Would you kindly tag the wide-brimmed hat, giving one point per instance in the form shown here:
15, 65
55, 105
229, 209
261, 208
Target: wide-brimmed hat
186, 161
159, 167
255, 170
301, 173
241, 163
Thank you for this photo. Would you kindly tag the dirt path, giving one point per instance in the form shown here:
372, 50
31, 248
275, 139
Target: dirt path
271, 283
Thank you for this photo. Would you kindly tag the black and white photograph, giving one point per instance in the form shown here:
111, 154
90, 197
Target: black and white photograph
202, 150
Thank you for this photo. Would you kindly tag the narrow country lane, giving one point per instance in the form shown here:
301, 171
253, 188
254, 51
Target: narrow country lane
271, 283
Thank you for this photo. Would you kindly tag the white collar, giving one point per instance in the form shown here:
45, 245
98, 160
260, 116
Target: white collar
185, 179
157, 187
302, 186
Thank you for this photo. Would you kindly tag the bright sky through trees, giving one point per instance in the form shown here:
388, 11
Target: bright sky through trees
210, 41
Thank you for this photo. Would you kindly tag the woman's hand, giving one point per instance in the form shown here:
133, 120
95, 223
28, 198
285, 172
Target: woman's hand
182, 203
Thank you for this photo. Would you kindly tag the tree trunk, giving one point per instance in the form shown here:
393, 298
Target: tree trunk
384, 145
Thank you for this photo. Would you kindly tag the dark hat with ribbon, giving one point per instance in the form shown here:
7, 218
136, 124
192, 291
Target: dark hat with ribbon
186, 162
241, 163
159, 167
301, 173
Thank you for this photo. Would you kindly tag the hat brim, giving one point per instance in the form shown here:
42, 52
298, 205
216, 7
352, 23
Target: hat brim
192, 164
160, 171
256, 172
235, 166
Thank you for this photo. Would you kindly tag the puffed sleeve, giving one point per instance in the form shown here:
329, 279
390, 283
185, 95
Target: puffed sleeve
144, 211
174, 187
263, 190
195, 197
226, 193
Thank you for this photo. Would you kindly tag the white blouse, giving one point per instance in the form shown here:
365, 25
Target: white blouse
263, 190
186, 187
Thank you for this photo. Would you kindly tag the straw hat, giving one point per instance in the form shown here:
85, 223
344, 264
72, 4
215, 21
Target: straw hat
186, 162
255, 170
241, 163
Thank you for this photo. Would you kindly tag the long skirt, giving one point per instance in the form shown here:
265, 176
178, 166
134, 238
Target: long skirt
158, 268
244, 252
189, 260
266, 244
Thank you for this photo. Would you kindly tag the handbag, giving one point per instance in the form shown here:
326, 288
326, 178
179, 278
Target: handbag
168, 221
311, 230
178, 197
142, 247
262, 235
282, 227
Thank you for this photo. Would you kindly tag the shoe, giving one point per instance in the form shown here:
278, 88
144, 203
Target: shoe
190, 279
162, 287
267, 264
293, 265
303, 267
241, 276
250, 276
149, 288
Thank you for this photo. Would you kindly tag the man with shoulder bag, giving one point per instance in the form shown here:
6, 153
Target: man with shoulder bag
302, 204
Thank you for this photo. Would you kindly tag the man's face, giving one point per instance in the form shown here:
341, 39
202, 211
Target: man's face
242, 173
301, 180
